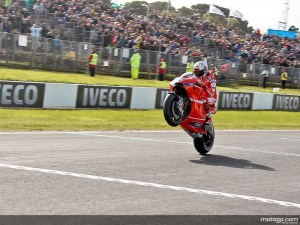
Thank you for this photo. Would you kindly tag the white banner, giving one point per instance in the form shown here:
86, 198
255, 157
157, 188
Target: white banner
215, 10
22, 40
236, 14
125, 53
184, 59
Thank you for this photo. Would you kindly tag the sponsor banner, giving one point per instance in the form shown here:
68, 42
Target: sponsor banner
286, 102
18, 94
283, 33
160, 97
103, 97
235, 100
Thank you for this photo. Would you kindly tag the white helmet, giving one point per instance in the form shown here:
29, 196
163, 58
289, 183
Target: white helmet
200, 68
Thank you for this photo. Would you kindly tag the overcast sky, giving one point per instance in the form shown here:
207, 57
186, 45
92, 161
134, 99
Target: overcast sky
261, 14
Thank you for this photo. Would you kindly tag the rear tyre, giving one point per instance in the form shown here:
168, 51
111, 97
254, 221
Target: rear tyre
204, 145
172, 112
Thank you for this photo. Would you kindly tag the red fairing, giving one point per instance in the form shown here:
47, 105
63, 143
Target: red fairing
198, 96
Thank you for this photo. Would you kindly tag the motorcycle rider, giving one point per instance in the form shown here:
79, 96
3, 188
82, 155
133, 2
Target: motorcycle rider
207, 80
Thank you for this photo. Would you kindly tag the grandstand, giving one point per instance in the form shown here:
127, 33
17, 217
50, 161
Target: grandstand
68, 30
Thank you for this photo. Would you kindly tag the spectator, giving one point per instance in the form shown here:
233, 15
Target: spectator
35, 35
215, 71
264, 75
189, 66
57, 45
162, 69
93, 61
284, 78
6, 27
135, 61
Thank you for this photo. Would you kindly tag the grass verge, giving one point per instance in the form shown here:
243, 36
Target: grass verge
59, 77
87, 120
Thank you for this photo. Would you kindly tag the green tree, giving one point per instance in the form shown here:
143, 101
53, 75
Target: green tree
245, 28
239, 24
215, 19
137, 7
200, 9
161, 6
186, 12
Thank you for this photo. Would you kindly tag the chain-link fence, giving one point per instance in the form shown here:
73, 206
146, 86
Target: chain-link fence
23, 51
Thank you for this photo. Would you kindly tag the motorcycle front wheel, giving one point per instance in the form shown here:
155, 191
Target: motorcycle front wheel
173, 112
204, 144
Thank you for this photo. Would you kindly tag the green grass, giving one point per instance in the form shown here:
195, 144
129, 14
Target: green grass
59, 77
85, 120
73, 78
75, 120
257, 120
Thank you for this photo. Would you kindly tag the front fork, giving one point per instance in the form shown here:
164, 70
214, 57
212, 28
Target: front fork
181, 103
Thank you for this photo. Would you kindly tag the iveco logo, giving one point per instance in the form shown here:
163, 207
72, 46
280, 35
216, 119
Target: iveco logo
235, 100
14, 94
106, 97
287, 102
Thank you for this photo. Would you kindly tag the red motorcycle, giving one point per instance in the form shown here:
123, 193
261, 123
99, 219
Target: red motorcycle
185, 106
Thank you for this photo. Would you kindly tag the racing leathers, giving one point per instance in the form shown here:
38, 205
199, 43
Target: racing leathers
209, 83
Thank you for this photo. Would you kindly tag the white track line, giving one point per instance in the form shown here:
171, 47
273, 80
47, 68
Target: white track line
106, 135
154, 185
131, 138
185, 143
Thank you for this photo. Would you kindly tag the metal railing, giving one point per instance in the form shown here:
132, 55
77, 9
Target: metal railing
23, 51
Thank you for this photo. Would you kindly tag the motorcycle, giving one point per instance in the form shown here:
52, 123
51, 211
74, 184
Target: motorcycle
184, 105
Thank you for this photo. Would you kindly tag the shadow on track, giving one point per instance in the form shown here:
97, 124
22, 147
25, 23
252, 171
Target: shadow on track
219, 160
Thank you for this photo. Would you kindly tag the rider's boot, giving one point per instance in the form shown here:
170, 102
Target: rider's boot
208, 119
208, 126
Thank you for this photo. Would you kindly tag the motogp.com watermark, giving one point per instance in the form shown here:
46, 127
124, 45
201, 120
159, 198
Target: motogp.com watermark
280, 220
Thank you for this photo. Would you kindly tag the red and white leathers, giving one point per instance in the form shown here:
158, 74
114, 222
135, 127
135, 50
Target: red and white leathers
209, 83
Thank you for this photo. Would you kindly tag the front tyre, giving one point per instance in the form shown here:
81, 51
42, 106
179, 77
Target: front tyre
204, 145
173, 113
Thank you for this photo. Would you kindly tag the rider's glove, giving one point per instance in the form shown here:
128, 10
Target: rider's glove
200, 84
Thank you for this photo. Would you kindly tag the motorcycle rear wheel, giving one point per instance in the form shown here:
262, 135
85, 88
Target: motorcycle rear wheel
204, 144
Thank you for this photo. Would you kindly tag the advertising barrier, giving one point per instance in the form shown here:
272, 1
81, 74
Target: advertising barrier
286, 103
143, 98
160, 97
18, 94
70, 96
60, 95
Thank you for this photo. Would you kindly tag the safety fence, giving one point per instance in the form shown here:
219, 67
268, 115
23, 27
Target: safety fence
24, 51
71, 96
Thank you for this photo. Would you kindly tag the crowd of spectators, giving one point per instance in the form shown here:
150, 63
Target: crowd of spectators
107, 26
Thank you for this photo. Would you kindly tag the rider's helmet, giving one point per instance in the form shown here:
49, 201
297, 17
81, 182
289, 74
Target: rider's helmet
200, 68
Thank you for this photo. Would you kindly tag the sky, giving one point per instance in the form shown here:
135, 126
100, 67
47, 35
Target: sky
262, 14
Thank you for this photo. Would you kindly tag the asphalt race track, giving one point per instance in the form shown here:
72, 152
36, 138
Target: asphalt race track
149, 173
